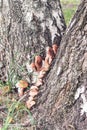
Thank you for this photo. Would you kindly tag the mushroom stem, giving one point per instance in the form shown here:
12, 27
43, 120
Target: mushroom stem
33, 92
55, 48
20, 91
30, 104
38, 62
21, 85
49, 55
39, 82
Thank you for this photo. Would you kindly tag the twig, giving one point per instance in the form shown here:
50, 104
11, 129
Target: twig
2, 107
24, 96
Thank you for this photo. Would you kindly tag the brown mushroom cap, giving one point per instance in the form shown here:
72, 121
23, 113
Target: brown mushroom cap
49, 51
38, 59
55, 48
33, 92
38, 62
31, 98
22, 84
32, 65
34, 87
29, 103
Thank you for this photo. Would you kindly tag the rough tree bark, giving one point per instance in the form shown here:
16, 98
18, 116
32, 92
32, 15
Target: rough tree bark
62, 103
27, 27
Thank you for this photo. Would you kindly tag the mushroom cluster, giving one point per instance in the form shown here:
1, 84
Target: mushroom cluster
40, 68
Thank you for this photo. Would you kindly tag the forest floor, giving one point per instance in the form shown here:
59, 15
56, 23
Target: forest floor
12, 111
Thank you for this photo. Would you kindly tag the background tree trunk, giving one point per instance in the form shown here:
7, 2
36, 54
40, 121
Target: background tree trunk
27, 27
62, 100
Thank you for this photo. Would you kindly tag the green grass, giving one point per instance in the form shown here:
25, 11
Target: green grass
69, 7
68, 14
15, 112
69, 1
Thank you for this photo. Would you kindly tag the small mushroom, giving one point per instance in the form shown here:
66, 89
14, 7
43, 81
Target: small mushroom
49, 55
30, 98
31, 67
5, 89
34, 77
39, 82
21, 85
42, 74
38, 62
55, 48
33, 92
34, 87
30, 104
46, 64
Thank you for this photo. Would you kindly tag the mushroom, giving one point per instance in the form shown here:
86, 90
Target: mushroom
29, 103
42, 73
55, 48
38, 62
30, 98
39, 82
21, 85
33, 92
34, 77
46, 64
49, 54
31, 67
34, 87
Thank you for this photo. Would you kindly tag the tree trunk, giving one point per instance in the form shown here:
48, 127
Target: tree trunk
62, 100
27, 27
61, 103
